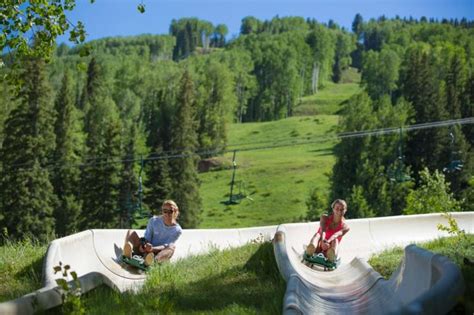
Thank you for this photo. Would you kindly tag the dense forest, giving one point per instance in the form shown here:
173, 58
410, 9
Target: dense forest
74, 131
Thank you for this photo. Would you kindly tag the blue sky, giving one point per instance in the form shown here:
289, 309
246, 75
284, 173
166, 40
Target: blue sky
121, 18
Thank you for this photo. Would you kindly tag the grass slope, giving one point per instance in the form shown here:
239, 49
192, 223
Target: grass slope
20, 268
458, 249
327, 101
238, 281
243, 280
275, 172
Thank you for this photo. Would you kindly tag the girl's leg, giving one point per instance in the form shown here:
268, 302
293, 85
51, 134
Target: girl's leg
333, 251
313, 245
319, 248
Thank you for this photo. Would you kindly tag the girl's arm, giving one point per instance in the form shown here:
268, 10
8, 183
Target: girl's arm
322, 227
345, 229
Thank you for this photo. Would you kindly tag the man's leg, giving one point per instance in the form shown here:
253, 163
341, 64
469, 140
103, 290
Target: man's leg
165, 254
132, 243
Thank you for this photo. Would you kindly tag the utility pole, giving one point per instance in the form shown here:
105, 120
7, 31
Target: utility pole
234, 165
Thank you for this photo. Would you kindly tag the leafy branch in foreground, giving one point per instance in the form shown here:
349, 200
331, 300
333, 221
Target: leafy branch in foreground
453, 228
461, 240
31, 28
70, 291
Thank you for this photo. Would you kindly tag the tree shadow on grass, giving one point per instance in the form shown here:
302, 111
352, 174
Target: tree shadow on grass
31, 273
24, 281
323, 152
257, 286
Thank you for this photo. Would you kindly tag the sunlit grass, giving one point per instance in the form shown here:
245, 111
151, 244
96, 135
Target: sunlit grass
327, 100
234, 281
274, 171
242, 280
20, 268
277, 180
455, 248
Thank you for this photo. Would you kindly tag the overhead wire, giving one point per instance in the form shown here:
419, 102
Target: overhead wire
174, 154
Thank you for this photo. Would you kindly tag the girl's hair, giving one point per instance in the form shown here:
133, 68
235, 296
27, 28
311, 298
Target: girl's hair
341, 202
173, 205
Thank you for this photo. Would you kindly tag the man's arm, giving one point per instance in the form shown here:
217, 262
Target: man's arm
149, 231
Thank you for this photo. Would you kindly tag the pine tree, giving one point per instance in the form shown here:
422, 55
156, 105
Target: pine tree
129, 106
94, 88
28, 201
128, 200
360, 172
359, 207
67, 155
184, 170
317, 205
159, 184
456, 77
7, 103
100, 177
216, 106
350, 152
423, 89
457, 87
467, 108
357, 25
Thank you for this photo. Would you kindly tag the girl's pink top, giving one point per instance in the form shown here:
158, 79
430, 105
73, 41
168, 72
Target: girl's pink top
329, 231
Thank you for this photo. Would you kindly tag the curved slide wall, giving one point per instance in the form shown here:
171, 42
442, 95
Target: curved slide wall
424, 282
94, 255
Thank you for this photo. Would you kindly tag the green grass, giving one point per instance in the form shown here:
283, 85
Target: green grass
351, 75
242, 280
328, 100
455, 248
20, 268
277, 179
235, 281
275, 173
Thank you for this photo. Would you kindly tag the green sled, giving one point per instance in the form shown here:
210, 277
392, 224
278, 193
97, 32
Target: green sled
321, 260
136, 262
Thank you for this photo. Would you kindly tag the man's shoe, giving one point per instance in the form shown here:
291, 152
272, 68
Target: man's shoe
149, 258
127, 250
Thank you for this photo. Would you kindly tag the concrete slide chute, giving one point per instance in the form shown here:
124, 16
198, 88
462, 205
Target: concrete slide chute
424, 282
95, 256
353, 287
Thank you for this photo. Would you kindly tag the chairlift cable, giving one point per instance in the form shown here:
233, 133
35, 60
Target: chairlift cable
318, 139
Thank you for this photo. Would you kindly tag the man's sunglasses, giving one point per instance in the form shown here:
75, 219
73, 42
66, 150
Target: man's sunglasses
168, 211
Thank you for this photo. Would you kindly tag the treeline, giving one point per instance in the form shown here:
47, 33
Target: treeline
99, 108
72, 136
412, 73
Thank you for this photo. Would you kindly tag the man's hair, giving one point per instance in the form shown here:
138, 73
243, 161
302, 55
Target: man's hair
171, 203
